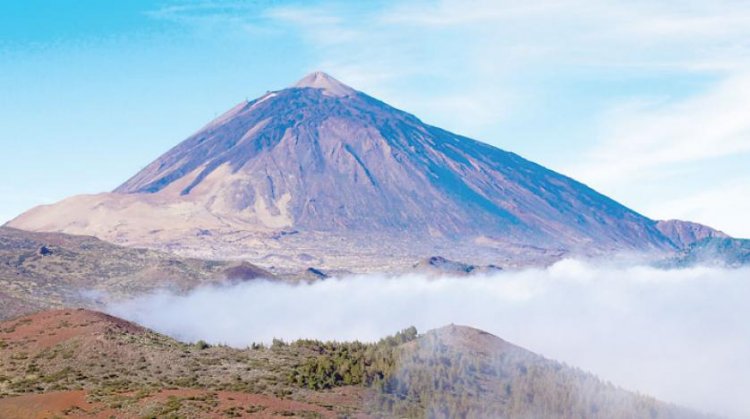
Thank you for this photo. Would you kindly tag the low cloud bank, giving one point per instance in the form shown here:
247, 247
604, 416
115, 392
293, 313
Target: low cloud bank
680, 335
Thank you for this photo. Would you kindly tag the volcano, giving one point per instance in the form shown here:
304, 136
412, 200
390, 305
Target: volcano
320, 171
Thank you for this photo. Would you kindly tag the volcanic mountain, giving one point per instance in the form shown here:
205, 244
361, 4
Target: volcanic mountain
320, 172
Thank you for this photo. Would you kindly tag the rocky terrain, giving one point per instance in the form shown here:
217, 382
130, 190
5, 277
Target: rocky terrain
714, 251
684, 233
47, 270
79, 363
438, 265
321, 174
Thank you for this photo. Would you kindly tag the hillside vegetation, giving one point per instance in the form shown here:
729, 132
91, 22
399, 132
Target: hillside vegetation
117, 366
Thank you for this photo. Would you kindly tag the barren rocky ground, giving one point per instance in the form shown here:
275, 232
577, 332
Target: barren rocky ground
46, 270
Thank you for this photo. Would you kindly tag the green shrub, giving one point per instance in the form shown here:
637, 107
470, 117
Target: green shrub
348, 363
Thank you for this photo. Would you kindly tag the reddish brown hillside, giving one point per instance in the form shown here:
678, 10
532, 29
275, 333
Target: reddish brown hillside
81, 363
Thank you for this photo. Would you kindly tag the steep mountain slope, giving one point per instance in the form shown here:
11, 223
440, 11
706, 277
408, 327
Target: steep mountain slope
328, 162
53, 360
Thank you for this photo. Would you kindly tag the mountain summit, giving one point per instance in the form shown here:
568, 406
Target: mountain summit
320, 171
329, 85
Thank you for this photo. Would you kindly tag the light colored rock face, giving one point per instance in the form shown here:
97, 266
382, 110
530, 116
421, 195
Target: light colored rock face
684, 233
328, 161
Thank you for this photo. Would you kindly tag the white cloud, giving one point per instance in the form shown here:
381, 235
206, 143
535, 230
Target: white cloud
641, 140
680, 335
644, 34
326, 28
663, 146
725, 207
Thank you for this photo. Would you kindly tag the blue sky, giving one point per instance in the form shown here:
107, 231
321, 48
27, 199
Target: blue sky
645, 101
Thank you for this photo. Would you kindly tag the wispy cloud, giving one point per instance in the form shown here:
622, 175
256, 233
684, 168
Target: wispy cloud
631, 34
639, 140
486, 47
214, 15
724, 206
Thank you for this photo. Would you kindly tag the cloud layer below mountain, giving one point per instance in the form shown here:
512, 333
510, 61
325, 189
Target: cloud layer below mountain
680, 335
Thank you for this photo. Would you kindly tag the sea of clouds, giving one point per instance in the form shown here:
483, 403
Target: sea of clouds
682, 335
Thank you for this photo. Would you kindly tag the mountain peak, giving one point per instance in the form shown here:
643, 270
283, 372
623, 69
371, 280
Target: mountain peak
323, 160
323, 81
